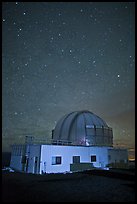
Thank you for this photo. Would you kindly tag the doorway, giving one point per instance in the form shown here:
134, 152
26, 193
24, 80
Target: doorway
35, 164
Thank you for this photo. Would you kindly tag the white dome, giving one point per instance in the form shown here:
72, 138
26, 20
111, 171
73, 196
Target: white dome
83, 128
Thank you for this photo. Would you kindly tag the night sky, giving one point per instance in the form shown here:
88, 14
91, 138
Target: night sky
59, 57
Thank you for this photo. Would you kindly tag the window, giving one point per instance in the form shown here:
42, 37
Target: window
76, 159
24, 158
56, 160
93, 158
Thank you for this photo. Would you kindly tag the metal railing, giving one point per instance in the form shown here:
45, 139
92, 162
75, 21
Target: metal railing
33, 140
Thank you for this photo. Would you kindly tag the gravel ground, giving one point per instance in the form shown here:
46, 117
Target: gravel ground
70, 187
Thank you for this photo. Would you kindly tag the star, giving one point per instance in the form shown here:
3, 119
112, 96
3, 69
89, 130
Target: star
55, 53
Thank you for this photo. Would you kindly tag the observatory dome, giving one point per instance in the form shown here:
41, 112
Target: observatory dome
83, 128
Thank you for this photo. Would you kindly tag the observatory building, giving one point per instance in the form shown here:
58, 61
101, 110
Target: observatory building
81, 140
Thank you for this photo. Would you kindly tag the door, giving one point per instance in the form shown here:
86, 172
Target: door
44, 167
35, 164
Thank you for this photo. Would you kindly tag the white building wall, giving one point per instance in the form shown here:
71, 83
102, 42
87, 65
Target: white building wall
33, 153
67, 153
29, 153
16, 157
15, 162
101, 156
39, 157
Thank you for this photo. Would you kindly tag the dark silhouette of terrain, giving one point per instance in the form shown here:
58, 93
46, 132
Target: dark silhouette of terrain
69, 187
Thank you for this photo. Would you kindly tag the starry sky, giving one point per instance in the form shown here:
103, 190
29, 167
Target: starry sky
59, 57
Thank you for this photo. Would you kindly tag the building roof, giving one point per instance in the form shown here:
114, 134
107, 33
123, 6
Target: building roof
78, 126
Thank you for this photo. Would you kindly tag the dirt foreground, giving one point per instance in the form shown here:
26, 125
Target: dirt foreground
88, 186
